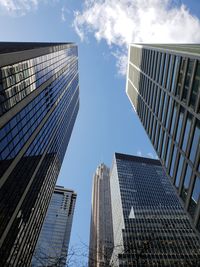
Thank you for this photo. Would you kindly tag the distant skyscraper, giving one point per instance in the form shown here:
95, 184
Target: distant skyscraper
53, 242
150, 227
163, 84
101, 232
39, 101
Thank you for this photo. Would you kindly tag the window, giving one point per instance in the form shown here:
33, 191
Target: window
164, 106
155, 64
158, 100
159, 139
173, 161
165, 70
195, 87
187, 132
180, 120
169, 72
178, 174
186, 182
158, 67
161, 105
188, 78
161, 68
173, 119
156, 133
169, 110
168, 151
195, 142
163, 146
198, 224
180, 77
195, 196
175, 71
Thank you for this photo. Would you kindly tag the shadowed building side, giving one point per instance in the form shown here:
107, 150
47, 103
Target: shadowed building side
150, 227
53, 242
39, 102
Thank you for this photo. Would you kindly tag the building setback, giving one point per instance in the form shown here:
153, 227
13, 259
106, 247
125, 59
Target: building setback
39, 102
53, 242
150, 226
101, 232
163, 85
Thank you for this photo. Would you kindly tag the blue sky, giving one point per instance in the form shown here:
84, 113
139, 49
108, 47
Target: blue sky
102, 30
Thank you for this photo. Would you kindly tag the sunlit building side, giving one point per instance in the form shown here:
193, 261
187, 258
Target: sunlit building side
163, 85
101, 232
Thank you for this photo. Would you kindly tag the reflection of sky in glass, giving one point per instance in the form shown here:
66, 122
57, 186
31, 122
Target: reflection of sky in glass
195, 143
174, 72
169, 72
187, 177
196, 190
179, 125
179, 170
173, 161
165, 68
186, 134
173, 118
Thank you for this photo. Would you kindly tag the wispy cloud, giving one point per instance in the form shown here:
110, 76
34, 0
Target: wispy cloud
139, 153
22, 7
63, 18
64, 12
124, 21
19, 7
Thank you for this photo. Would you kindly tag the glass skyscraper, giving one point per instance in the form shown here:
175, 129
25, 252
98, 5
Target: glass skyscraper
150, 226
163, 85
53, 241
101, 232
39, 102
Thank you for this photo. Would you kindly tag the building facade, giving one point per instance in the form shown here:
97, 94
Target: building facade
101, 232
150, 226
39, 102
163, 85
53, 242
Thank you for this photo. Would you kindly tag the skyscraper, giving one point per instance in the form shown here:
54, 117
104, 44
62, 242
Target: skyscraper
39, 102
163, 85
150, 227
53, 241
101, 232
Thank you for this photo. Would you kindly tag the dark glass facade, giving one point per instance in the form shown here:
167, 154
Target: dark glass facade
39, 102
150, 225
163, 84
101, 231
53, 242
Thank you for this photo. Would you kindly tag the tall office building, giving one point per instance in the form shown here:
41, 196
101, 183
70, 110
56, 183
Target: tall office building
53, 242
163, 84
39, 101
101, 232
150, 226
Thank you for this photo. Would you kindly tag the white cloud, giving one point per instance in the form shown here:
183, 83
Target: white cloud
63, 18
64, 12
139, 153
124, 21
22, 7
18, 7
